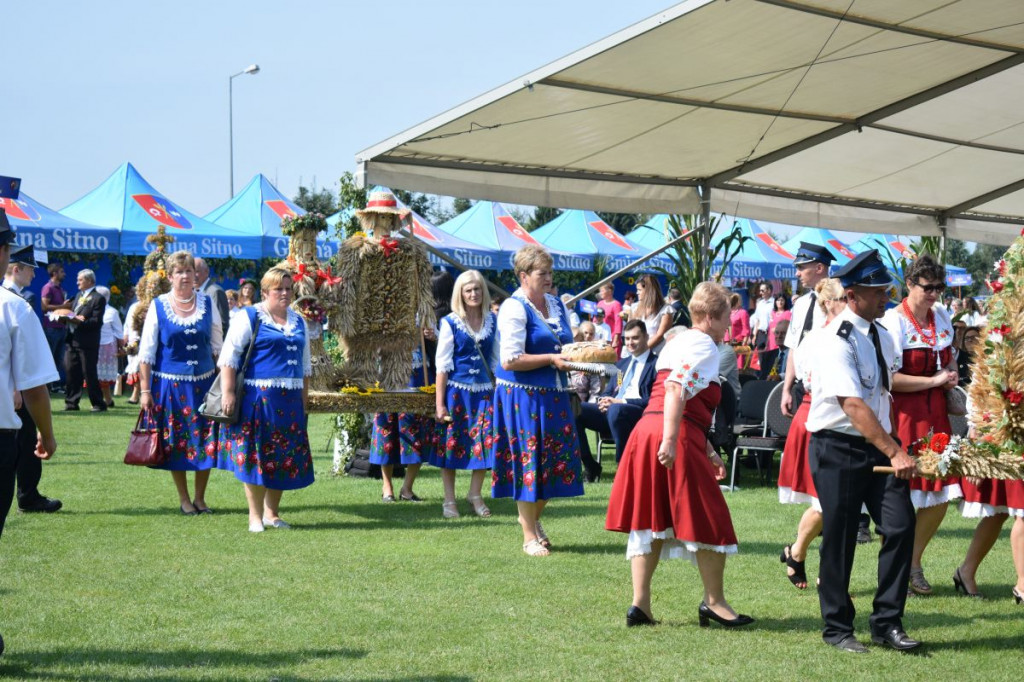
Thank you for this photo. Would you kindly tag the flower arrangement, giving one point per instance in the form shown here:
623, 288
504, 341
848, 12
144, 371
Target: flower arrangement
292, 224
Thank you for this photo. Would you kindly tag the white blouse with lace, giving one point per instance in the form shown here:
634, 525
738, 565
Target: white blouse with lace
512, 323
444, 359
236, 343
693, 358
149, 339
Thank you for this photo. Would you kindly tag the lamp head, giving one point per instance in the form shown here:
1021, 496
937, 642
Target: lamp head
252, 69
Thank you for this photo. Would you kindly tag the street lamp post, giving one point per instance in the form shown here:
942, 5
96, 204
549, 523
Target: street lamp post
252, 69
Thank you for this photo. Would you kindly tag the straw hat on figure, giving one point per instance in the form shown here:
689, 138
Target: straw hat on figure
387, 294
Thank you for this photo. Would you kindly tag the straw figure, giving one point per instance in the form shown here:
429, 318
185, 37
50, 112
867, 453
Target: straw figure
997, 378
154, 279
387, 294
317, 291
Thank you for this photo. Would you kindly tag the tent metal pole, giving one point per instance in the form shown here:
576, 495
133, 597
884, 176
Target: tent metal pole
705, 222
631, 266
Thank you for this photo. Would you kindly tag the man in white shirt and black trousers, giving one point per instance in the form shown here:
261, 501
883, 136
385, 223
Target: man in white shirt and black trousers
852, 431
26, 366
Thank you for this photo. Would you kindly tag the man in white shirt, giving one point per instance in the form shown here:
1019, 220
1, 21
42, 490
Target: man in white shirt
603, 331
812, 263
26, 368
623, 401
762, 317
851, 431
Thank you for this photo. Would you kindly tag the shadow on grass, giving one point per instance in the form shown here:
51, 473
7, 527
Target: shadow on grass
160, 666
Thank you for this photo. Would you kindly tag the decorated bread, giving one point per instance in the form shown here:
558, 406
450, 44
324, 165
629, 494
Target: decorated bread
589, 351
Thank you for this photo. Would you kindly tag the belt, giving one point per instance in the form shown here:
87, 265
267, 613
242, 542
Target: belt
9, 432
839, 435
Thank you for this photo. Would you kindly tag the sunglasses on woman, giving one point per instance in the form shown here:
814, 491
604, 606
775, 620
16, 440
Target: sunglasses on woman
931, 288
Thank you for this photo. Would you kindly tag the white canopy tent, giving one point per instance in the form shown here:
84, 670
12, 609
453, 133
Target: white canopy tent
857, 115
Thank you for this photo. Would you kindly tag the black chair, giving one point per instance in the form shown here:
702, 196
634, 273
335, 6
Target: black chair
762, 400
746, 377
724, 420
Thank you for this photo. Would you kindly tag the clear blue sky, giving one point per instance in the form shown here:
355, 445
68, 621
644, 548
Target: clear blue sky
90, 85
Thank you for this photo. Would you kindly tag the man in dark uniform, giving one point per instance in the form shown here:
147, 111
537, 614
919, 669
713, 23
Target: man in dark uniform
852, 431
30, 468
83, 349
25, 366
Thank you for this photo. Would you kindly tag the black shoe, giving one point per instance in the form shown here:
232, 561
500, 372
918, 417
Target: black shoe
705, 615
594, 475
850, 645
961, 587
40, 504
636, 616
864, 535
896, 639
188, 513
110, 404
98, 408
1, 645
71, 408
411, 498
1017, 596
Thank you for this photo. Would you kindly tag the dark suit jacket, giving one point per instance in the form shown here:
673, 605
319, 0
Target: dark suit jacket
87, 334
646, 380
768, 358
220, 299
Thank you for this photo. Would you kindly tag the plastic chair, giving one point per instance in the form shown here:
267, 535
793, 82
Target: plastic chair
773, 428
603, 443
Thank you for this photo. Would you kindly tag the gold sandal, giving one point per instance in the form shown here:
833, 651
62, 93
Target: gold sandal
918, 583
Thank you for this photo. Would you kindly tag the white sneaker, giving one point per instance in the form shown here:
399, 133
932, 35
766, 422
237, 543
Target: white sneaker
255, 527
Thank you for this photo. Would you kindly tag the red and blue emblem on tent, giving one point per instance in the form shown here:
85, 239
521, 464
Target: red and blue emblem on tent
162, 211
513, 226
19, 209
606, 231
422, 231
280, 208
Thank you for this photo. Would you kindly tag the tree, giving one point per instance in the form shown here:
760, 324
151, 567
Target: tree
461, 205
351, 197
542, 215
693, 262
623, 223
317, 201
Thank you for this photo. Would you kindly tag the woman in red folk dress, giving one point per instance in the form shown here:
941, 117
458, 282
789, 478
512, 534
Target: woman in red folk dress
795, 483
923, 334
666, 493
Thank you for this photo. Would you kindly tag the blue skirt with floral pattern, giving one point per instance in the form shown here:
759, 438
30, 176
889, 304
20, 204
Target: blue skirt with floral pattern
189, 440
536, 453
268, 445
466, 441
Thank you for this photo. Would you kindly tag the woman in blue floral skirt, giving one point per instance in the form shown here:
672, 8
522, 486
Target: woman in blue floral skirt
180, 338
465, 389
536, 452
268, 447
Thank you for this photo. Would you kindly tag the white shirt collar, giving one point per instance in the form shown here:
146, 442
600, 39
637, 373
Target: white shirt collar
10, 284
643, 357
862, 325
86, 292
202, 286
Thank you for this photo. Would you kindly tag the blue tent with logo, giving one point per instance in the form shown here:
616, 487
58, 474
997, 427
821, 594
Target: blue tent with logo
126, 202
956, 276
585, 233
48, 230
761, 257
822, 237
488, 225
259, 209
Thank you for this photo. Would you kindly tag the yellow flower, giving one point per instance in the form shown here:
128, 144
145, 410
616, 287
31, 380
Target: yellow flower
432, 389
114, 289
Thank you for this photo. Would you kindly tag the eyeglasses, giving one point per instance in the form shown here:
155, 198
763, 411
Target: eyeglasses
931, 288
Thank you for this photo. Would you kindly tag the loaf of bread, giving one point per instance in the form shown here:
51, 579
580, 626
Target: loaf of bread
589, 351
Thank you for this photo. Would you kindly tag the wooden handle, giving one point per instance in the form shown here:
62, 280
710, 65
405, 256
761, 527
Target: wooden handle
883, 470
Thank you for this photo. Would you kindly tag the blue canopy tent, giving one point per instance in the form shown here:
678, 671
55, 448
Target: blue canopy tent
126, 202
821, 237
259, 209
489, 226
584, 232
761, 257
48, 230
956, 276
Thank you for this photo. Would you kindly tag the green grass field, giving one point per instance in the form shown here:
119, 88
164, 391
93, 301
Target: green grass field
119, 585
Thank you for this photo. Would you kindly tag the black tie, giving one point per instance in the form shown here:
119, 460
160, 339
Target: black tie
809, 320
878, 356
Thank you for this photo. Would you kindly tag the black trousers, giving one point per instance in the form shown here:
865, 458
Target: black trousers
8, 466
841, 468
592, 418
81, 366
30, 467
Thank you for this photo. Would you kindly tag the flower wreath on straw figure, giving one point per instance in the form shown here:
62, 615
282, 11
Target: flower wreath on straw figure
317, 291
996, 393
154, 280
387, 294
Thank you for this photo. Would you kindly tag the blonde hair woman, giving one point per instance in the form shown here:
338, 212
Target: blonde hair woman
465, 361
180, 338
666, 494
536, 451
795, 483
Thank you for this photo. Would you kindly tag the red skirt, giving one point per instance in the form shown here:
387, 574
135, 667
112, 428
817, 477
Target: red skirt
992, 496
647, 499
916, 414
795, 483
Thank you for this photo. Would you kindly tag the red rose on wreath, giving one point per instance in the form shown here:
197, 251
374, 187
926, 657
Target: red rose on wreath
1014, 397
939, 442
996, 286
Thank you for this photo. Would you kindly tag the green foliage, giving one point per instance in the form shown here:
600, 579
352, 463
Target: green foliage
542, 215
350, 196
460, 205
623, 223
317, 200
693, 259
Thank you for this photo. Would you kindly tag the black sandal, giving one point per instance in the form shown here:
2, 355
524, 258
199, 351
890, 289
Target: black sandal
799, 572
